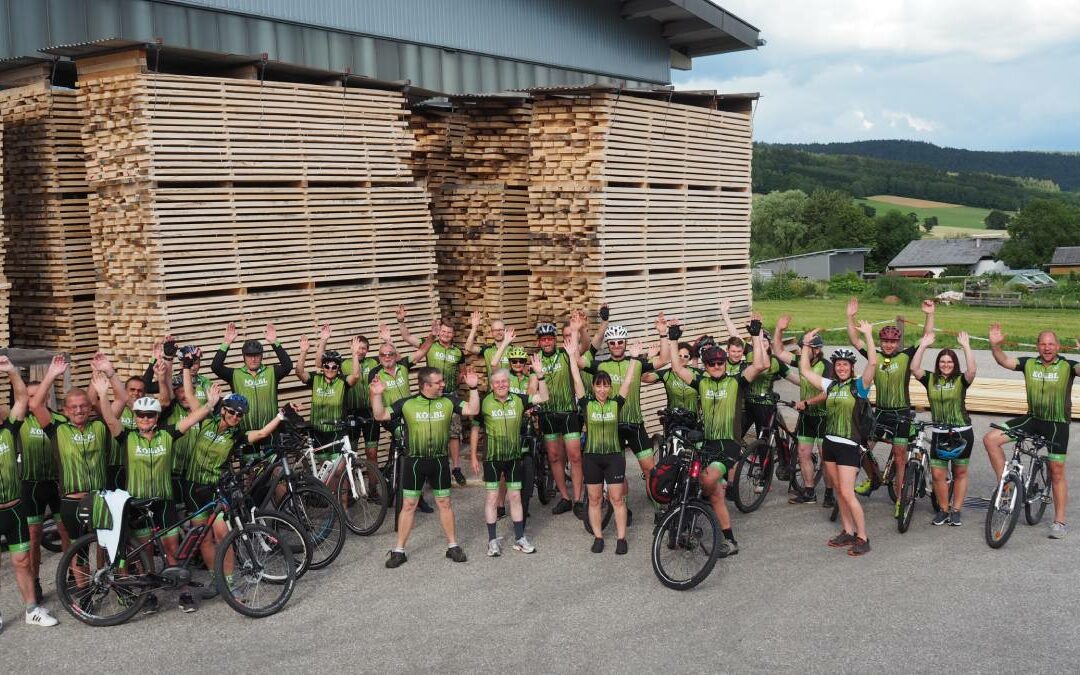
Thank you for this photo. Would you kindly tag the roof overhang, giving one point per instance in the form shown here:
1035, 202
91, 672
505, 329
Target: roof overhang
695, 27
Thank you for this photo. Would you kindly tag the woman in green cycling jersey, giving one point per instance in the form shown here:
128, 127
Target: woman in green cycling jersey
946, 388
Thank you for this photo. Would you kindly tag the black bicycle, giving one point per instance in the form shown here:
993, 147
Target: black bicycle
1019, 484
534, 467
776, 451
107, 584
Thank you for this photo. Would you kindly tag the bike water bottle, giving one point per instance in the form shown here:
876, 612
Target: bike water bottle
324, 471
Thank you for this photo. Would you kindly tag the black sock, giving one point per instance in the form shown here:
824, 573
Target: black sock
491, 531
728, 534
519, 529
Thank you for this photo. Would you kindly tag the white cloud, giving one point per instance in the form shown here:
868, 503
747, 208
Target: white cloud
914, 123
863, 122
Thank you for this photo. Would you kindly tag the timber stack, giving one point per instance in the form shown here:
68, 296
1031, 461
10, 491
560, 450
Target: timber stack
219, 199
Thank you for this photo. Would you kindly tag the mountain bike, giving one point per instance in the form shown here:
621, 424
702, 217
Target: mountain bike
775, 451
392, 469
357, 481
672, 419
917, 470
106, 576
1012, 488
686, 541
535, 471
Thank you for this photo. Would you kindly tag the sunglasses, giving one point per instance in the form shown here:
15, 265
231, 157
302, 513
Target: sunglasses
331, 366
146, 415
616, 342
713, 364
518, 362
387, 354
230, 411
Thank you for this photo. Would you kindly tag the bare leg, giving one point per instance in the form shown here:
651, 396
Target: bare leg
23, 579
406, 519
446, 518
557, 461
941, 485
1061, 489
596, 494
994, 441
846, 493
573, 453
959, 486
618, 502
714, 487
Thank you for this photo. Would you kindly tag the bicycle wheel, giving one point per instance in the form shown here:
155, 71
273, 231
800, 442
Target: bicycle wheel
542, 475
320, 514
1003, 511
686, 545
797, 479
606, 513
293, 534
909, 492
1034, 497
50, 535
255, 571
365, 510
528, 482
753, 477
100, 593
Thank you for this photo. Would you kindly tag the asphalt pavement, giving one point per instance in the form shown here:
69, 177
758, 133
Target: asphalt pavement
935, 598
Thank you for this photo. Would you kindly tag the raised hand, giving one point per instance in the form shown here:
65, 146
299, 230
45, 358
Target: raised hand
213, 396
508, 337
401, 313
577, 320
324, 332
384, 332
572, 343
474, 320
654, 348
101, 362
436, 326
270, 333
472, 379
661, 324
997, 338
865, 327
305, 343
635, 349
100, 382
376, 387
852, 307
809, 336
6, 365
928, 306
783, 322
354, 346
230, 333
928, 340
537, 365
725, 306
58, 365
161, 369
964, 339
158, 350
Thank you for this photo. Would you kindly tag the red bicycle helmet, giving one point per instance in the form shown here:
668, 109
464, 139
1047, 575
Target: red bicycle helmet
889, 333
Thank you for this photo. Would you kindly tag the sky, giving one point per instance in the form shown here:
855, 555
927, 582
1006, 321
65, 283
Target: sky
975, 74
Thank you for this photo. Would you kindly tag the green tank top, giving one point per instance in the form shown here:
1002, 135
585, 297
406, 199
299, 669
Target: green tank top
1049, 387
721, 402
947, 398
358, 398
327, 401
10, 482
891, 379
808, 390
149, 462
840, 407
601, 424
763, 383
211, 450
183, 445
396, 381
679, 393
557, 375
502, 425
38, 460
447, 360
261, 391
427, 423
630, 411
82, 454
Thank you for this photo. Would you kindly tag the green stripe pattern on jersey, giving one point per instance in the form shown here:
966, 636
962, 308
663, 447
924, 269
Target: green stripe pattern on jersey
38, 460
10, 483
116, 453
763, 383
82, 454
891, 379
202, 385
721, 400
808, 390
602, 425
358, 397
149, 462
679, 393
396, 381
557, 374
182, 446
261, 390
519, 384
489, 354
1049, 388
502, 426
947, 398
840, 409
327, 401
586, 373
427, 424
211, 450
447, 360
630, 411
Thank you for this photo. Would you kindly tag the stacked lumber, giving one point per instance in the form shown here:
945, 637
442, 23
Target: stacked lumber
49, 262
220, 199
437, 157
995, 396
5, 287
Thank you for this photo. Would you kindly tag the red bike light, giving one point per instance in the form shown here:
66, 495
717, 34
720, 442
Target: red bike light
695, 468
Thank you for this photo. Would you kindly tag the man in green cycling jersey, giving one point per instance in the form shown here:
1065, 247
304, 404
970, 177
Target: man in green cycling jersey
1048, 379
721, 393
14, 525
257, 382
124, 394
488, 352
678, 393
448, 358
891, 381
358, 400
502, 414
426, 419
735, 346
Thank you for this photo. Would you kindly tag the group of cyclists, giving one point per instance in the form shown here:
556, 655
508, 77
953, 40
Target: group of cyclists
169, 434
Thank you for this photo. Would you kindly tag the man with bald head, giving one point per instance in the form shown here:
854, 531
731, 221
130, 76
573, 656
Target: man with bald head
489, 352
1048, 379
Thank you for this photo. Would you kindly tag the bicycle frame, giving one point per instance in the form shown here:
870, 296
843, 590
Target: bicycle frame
329, 469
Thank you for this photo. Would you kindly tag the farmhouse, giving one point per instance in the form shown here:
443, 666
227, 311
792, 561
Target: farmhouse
931, 257
1066, 260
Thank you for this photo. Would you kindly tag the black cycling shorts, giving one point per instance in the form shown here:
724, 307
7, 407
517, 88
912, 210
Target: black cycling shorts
69, 507
757, 414
842, 454
368, 431
435, 471
502, 469
39, 496
14, 528
115, 477
1055, 433
606, 468
162, 518
634, 437
893, 425
560, 425
723, 453
937, 439
810, 428
196, 496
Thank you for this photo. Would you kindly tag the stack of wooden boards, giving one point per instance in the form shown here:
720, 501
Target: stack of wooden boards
5, 287
997, 396
49, 262
218, 199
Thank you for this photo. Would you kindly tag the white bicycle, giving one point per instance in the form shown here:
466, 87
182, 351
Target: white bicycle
356, 480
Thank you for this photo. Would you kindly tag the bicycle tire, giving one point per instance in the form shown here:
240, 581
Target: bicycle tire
528, 482
797, 480
909, 493
543, 473
670, 535
320, 514
1003, 511
77, 601
294, 536
364, 514
1034, 503
753, 475
50, 535
255, 548
607, 510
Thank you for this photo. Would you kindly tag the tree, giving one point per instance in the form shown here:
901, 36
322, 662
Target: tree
776, 229
831, 219
929, 223
893, 231
996, 220
1037, 230
870, 211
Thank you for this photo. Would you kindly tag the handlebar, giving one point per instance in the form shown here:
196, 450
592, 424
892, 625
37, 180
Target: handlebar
1036, 440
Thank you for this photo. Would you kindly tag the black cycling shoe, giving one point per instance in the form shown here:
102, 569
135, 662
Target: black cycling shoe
597, 545
151, 604
456, 554
39, 595
458, 476
620, 547
562, 506
396, 559
187, 603
424, 507
829, 501
580, 509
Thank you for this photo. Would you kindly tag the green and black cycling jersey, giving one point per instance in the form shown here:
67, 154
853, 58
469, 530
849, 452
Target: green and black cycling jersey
260, 388
840, 407
173, 415
213, 443
116, 453
427, 423
947, 396
721, 400
808, 391
891, 379
519, 384
82, 453
447, 360
1049, 387
560, 387
10, 482
589, 356
327, 400
502, 422
358, 398
488, 353
602, 424
396, 381
149, 461
763, 384
38, 458
679, 394
630, 411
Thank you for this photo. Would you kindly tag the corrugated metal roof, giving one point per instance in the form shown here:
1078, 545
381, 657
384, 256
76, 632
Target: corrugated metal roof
944, 252
829, 252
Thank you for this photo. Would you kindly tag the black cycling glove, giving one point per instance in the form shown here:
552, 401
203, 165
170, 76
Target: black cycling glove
754, 328
605, 313
674, 331
169, 349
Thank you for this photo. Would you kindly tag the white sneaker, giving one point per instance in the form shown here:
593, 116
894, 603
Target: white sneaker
1058, 530
40, 617
524, 545
495, 547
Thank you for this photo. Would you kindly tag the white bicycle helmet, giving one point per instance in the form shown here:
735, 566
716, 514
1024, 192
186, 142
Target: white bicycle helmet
544, 329
615, 332
147, 404
843, 354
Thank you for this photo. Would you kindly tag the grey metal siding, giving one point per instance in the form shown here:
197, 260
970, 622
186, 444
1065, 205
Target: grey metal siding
842, 263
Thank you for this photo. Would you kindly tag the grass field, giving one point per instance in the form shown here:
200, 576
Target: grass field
952, 216
1020, 325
